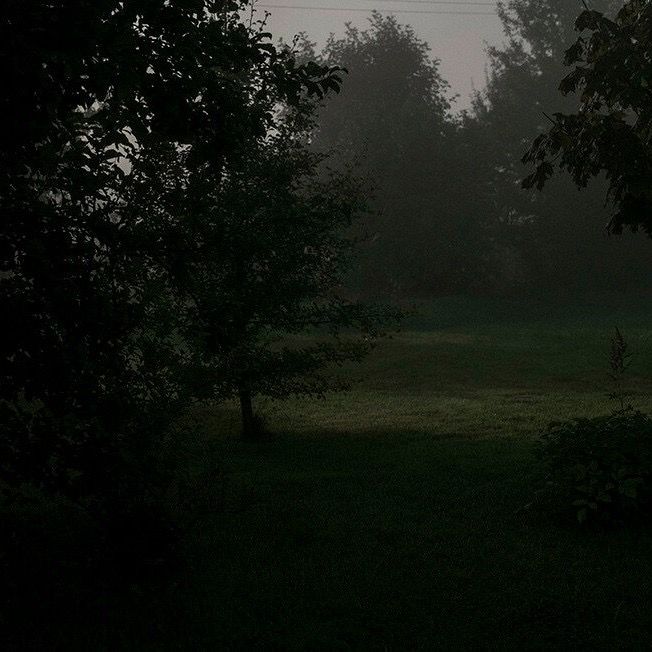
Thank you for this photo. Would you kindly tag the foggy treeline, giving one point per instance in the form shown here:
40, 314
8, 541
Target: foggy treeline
204, 227
449, 215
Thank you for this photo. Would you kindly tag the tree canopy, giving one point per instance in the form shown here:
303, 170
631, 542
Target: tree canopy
609, 131
394, 122
552, 239
128, 133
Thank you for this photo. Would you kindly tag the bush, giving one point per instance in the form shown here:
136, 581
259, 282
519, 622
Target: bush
601, 468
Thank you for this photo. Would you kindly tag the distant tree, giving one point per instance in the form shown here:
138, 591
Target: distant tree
521, 83
550, 239
609, 132
393, 118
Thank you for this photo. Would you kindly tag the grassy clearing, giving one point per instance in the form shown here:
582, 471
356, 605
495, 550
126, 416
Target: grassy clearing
469, 369
390, 517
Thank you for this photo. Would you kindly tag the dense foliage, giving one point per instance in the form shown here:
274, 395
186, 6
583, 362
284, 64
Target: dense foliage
601, 468
609, 132
426, 235
261, 270
143, 164
449, 215
553, 238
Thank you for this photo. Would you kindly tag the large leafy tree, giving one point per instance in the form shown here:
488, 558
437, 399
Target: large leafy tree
104, 103
393, 118
609, 131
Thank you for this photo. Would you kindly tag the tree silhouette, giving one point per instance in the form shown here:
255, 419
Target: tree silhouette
119, 123
551, 240
608, 133
393, 118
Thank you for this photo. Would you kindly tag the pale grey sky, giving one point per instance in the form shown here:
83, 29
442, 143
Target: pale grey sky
457, 40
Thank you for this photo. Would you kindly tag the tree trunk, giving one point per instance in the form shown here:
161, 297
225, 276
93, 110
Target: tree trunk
249, 425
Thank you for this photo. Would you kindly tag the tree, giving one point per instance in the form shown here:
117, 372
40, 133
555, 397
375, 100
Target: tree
290, 317
549, 237
609, 131
393, 119
105, 102
263, 282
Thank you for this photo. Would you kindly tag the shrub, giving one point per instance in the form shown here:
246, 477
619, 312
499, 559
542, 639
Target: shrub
601, 468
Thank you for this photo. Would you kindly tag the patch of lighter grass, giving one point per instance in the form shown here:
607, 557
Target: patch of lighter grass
500, 382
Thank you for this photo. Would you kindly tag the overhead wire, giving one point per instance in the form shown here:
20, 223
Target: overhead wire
392, 11
462, 3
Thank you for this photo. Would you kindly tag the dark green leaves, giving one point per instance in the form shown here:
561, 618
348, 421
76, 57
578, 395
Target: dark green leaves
539, 177
111, 275
610, 133
601, 468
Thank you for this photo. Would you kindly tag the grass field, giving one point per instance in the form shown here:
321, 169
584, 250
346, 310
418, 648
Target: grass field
389, 518
473, 369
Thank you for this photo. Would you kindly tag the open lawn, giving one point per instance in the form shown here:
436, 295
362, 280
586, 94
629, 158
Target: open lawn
473, 369
390, 518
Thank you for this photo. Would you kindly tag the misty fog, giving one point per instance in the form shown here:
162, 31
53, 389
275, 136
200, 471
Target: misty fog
326, 325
